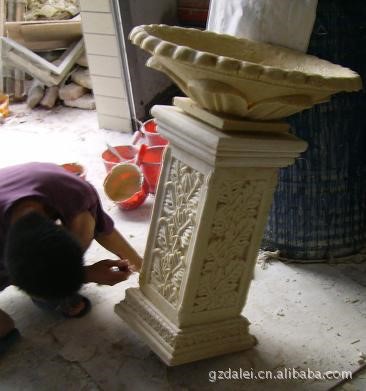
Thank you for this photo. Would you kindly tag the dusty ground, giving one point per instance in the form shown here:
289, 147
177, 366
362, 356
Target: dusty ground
304, 316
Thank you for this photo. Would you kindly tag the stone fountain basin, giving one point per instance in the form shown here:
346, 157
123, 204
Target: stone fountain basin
239, 77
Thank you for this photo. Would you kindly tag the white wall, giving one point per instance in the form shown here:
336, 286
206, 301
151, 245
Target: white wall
105, 64
105, 39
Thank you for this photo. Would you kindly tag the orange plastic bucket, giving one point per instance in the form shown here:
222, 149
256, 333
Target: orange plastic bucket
149, 131
125, 185
150, 160
4, 105
127, 153
75, 168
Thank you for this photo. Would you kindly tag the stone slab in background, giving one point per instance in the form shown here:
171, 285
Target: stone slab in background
86, 102
71, 91
82, 77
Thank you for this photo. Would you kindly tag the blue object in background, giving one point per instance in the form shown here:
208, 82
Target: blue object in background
319, 209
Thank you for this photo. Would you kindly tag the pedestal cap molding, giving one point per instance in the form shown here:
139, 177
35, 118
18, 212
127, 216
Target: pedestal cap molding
248, 149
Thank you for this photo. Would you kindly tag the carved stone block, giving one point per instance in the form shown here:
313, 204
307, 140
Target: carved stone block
211, 207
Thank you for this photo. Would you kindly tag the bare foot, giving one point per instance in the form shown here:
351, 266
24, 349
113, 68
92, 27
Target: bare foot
6, 323
75, 306
75, 309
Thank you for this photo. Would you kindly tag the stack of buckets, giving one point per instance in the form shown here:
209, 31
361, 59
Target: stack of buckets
136, 165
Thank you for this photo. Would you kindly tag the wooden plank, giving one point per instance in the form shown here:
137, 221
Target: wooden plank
2, 17
43, 75
52, 31
2, 28
19, 10
38, 67
95, 6
44, 35
32, 57
44, 46
10, 15
10, 9
68, 59
49, 31
43, 22
97, 23
18, 74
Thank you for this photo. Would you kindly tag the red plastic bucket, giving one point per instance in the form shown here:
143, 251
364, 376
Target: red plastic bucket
137, 199
150, 133
123, 186
75, 168
127, 153
149, 159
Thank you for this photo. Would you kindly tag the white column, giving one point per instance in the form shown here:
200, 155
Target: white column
105, 61
211, 208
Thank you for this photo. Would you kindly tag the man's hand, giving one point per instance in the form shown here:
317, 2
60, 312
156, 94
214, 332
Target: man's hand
118, 245
108, 272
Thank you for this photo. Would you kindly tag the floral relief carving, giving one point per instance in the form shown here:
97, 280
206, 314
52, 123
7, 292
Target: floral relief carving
232, 229
175, 229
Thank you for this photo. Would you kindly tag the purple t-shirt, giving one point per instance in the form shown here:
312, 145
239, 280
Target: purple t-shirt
63, 192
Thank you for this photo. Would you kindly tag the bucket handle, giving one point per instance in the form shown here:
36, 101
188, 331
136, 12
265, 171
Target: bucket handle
138, 134
136, 137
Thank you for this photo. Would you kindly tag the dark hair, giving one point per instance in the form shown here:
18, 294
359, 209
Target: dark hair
43, 258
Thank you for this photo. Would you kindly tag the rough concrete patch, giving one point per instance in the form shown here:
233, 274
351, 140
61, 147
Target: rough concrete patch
74, 351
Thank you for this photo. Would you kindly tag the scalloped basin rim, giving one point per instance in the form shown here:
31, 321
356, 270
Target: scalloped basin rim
270, 63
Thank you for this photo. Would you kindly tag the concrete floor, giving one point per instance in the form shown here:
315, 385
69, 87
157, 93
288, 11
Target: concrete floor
304, 316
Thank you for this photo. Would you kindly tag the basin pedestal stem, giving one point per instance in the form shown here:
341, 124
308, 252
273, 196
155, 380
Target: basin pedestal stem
211, 208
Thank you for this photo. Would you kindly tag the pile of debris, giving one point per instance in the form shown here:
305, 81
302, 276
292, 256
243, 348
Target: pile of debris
48, 51
51, 9
74, 91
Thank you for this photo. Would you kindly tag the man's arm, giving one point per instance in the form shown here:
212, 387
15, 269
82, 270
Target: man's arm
82, 228
118, 245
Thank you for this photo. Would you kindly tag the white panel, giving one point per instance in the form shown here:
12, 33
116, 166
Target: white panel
114, 123
112, 106
109, 86
96, 22
95, 5
104, 66
101, 44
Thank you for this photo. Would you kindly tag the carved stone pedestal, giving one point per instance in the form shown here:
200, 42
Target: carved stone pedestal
211, 208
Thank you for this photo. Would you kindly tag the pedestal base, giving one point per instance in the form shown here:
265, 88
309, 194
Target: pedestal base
175, 345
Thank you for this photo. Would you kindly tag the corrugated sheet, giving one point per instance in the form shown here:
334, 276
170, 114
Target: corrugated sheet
319, 209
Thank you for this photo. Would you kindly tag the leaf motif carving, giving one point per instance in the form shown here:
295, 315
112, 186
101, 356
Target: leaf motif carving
232, 229
175, 229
